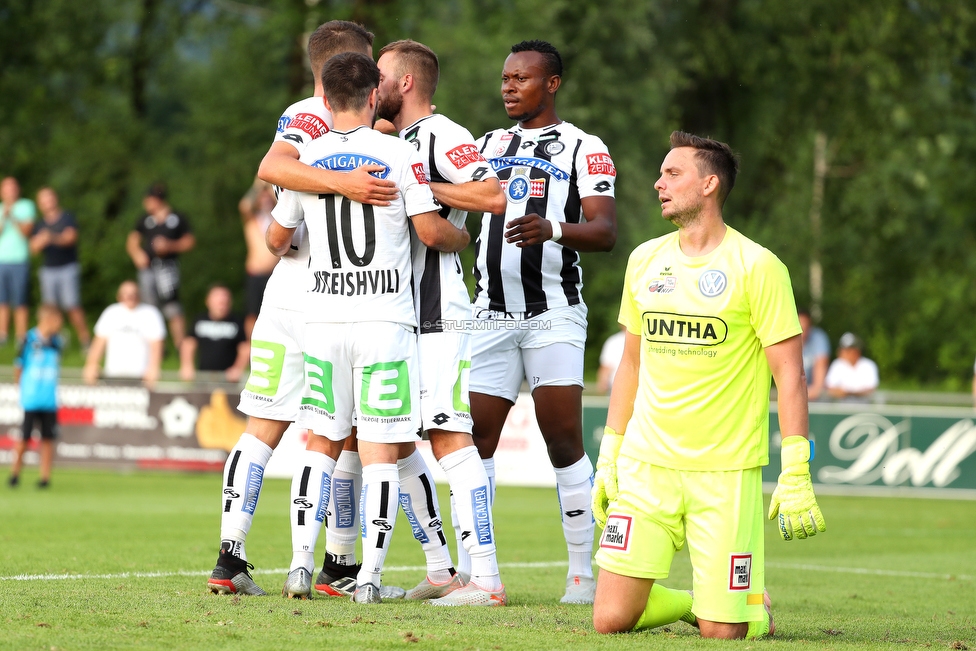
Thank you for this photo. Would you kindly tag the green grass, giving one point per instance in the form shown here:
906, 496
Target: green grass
102, 523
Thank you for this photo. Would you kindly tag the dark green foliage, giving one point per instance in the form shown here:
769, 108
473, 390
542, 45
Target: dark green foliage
100, 98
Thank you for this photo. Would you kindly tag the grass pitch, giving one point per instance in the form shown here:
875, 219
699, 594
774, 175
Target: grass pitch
107, 561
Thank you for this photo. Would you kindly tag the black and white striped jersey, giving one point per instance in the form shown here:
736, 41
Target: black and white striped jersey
548, 172
450, 156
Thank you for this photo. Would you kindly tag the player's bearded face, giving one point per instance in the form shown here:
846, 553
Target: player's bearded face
389, 104
680, 187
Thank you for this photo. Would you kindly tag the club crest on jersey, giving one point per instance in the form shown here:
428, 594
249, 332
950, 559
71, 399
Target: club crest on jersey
420, 174
503, 144
311, 124
283, 123
600, 164
346, 162
740, 572
712, 283
663, 285
616, 535
554, 148
520, 188
464, 155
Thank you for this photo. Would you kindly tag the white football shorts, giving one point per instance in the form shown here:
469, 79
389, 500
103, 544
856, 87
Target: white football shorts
445, 369
367, 368
274, 388
546, 350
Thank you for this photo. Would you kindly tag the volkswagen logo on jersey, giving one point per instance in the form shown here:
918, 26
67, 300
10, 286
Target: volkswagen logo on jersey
712, 283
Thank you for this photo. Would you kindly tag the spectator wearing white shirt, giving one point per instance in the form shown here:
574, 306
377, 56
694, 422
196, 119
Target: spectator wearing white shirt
851, 375
610, 354
130, 334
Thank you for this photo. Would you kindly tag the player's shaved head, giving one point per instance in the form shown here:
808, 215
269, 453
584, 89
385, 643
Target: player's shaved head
711, 157
415, 59
348, 79
336, 37
553, 62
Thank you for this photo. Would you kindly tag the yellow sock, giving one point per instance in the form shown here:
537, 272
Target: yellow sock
665, 606
759, 630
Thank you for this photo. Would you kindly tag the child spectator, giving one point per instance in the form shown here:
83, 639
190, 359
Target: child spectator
36, 368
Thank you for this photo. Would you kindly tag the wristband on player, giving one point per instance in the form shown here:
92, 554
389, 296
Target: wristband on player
796, 450
557, 230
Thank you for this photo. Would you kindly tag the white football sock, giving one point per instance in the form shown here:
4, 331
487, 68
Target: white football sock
471, 509
243, 476
463, 559
378, 511
489, 465
418, 497
310, 489
573, 487
342, 526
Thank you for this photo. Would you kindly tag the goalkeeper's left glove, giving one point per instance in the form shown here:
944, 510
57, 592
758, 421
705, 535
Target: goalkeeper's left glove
793, 500
605, 479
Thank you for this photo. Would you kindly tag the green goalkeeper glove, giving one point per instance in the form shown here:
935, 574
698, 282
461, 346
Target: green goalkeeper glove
793, 500
605, 480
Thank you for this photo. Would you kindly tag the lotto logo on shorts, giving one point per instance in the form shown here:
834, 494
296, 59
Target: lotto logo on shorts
740, 572
616, 535
420, 174
601, 164
310, 124
463, 155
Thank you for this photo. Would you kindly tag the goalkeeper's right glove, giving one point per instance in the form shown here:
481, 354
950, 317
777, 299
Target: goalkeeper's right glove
793, 500
605, 480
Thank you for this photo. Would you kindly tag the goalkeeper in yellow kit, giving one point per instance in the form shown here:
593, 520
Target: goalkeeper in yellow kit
710, 317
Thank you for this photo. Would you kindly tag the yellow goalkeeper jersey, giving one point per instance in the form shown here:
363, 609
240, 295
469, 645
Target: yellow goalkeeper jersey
703, 396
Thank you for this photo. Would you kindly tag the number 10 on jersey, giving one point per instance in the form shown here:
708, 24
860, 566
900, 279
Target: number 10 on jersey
366, 234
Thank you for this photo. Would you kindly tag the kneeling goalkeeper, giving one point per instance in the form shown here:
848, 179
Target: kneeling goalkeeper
710, 318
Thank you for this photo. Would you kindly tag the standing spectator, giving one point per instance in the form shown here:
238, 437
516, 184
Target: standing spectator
131, 335
610, 354
154, 246
218, 337
851, 375
816, 355
16, 219
255, 210
36, 369
56, 236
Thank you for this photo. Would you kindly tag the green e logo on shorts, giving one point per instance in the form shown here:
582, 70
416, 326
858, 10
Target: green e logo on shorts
386, 390
267, 359
459, 404
319, 382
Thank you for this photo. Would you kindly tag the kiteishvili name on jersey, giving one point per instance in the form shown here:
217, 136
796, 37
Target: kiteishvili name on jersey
684, 329
357, 283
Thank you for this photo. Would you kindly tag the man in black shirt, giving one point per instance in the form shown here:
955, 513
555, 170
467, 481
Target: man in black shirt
216, 340
154, 245
56, 237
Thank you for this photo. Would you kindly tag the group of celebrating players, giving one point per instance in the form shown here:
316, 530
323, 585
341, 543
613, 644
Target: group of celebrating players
367, 337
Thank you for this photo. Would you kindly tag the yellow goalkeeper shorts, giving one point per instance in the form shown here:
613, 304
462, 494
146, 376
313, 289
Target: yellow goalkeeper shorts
719, 513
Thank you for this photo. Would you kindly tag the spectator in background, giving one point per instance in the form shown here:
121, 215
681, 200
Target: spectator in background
154, 245
255, 210
16, 222
816, 355
217, 339
36, 369
613, 350
56, 236
851, 375
131, 335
